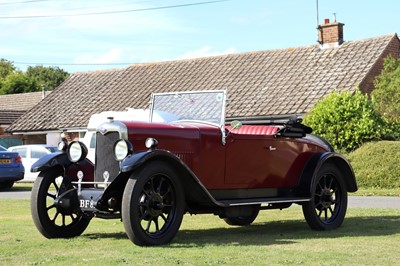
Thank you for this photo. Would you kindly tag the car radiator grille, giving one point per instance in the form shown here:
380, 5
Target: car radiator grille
106, 165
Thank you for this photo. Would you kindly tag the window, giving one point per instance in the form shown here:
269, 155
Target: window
37, 153
21, 151
93, 141
52, 149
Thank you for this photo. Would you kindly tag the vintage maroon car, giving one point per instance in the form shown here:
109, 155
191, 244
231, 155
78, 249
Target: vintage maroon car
151, 174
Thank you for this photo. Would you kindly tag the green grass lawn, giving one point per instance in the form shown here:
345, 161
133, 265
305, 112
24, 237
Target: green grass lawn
367, 237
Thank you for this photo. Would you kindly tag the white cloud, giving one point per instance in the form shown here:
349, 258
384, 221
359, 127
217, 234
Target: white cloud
206, 51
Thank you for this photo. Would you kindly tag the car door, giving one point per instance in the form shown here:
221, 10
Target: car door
34, 153
262, 161
247, 160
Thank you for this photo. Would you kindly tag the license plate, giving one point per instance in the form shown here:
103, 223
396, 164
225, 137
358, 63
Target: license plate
5, 161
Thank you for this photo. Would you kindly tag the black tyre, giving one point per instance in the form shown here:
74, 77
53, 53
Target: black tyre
6, 184
153, 205
328, 204
244, 220
53, 222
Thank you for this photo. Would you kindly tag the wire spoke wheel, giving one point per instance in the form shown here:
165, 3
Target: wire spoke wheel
325, 198
327, 207
157, 205
153, 205
53, 221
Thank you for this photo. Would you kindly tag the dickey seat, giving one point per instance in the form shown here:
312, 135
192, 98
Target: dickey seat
255, 130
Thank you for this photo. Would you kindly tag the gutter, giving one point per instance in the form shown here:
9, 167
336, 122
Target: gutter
37, 132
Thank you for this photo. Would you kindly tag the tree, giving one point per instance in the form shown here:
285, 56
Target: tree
346, 120
34, 79
6, 68
387, 90
48, 77
18, 82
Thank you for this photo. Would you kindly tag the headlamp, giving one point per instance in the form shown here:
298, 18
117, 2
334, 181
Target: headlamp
122, 148
77, 151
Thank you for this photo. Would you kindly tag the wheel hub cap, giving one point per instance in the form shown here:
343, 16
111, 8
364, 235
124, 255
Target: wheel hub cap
155, 204
326, 199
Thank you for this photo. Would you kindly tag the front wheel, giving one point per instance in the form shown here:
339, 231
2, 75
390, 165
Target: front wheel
327, 208
153, 204
50, 220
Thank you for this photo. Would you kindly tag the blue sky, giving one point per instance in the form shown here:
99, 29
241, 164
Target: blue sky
158, 33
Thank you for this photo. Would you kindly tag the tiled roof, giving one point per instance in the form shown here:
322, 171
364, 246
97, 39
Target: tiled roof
20, 101
9, 116
12, 106
262, 83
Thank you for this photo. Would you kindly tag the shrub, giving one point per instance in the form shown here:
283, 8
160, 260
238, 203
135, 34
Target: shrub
386, 94
376, 164
346, 120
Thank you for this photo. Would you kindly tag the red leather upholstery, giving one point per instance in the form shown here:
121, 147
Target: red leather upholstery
255, 130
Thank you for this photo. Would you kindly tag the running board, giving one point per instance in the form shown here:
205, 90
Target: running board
229, 203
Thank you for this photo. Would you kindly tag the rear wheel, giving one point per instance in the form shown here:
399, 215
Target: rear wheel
244, 220
50, 220
328, 204
153, 205
6, 184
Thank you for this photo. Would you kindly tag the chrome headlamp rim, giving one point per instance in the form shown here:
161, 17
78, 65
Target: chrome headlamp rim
122, 149
76, 151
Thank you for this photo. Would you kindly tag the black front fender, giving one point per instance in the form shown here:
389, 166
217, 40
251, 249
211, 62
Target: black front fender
51, 160
137, 159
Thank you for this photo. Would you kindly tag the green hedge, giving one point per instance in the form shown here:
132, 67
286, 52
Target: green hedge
377, 164
346, 120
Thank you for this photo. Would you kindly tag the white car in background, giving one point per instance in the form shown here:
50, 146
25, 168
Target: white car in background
30, 154
130, 114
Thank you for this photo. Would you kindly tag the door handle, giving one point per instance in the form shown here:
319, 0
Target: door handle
271, 148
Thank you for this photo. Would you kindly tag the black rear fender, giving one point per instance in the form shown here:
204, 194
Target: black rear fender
348, 173
317, 161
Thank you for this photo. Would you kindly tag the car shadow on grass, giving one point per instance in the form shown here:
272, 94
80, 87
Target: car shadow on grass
286, 232
273, 233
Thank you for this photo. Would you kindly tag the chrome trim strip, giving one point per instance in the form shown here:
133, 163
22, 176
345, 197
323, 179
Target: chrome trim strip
266, 201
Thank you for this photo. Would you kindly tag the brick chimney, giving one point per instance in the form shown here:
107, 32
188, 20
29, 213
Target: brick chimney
330, 34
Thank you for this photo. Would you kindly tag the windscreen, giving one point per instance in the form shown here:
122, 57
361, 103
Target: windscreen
206, 106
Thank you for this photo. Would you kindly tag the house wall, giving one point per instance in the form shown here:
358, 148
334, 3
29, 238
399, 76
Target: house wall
7, 140
34, 139
367, 84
